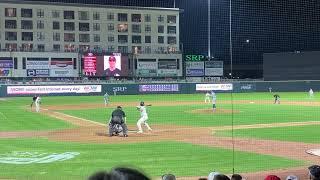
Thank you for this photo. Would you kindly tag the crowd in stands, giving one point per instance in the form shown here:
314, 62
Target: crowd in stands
124, 173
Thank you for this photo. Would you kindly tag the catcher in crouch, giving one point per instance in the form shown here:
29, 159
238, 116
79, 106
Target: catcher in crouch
117, 120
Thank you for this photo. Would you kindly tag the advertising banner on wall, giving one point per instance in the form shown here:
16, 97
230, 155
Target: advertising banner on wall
147, 68
210, 87
6, 66
61, 67
214, 68
194, 68
21, 90
159, 88
38, 72
37, 63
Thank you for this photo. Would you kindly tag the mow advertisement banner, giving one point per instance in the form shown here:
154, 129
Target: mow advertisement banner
24, 90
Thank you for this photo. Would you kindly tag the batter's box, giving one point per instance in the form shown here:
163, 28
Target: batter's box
315, 152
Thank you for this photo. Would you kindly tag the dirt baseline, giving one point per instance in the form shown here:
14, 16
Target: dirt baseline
93, 132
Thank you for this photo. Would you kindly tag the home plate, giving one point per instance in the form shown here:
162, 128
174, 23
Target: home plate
315, 152
251, 102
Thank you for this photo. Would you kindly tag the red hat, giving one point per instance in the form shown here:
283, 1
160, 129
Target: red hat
272, 177
112, 58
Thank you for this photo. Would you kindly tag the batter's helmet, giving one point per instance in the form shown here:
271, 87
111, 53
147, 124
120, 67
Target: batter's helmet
141, 103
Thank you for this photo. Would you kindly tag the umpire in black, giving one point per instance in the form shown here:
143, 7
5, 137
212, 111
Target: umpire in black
118, 117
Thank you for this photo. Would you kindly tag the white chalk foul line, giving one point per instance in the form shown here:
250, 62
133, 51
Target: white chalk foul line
82, 119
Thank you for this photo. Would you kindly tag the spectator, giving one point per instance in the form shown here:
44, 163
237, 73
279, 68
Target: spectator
212, 175
123, 173
217, 176
314, 172
168, 177
272, 177
119, 173
236, 177
101, 175
292, 177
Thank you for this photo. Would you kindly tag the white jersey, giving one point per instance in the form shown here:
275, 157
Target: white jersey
208, 95
38, 100
143, 111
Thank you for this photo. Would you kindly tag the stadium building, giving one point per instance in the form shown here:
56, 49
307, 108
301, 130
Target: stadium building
43, 39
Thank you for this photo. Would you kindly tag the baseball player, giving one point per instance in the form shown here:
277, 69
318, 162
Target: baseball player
37, 103
276, 99
207, 97
311, 95
143, 117
34, 98
214, 99
106, 99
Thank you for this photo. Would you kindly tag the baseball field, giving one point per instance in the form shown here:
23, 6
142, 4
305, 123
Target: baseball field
247, 134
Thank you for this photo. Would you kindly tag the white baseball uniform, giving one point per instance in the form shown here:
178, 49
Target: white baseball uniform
207, 98
37, 103
143, 118
311, 93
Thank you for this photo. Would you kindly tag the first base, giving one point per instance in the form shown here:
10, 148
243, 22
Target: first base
315, 152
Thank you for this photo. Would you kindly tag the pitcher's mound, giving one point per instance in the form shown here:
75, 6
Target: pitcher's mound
315, 152
210, 111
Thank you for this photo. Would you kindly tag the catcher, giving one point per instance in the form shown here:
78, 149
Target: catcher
117, 123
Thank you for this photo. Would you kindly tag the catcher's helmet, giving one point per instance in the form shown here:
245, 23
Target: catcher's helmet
141, 103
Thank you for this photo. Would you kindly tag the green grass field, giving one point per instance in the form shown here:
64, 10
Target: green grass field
155, 158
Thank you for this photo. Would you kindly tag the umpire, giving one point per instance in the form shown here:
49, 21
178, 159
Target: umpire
118, 117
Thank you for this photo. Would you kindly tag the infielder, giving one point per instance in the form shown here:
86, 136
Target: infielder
311, 95
214, 99
207, 97
143, 117
37, 103
106, 99
276, 99
34, 98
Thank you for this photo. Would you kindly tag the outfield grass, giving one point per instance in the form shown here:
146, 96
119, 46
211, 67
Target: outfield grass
155, 159
307, 134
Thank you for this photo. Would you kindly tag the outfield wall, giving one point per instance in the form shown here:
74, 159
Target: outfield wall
155, 88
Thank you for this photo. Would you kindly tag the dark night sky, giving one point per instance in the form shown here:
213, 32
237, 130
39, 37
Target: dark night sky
269, 25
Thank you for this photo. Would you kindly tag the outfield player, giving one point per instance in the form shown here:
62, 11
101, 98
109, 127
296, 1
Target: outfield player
106, 99
214, 99
143, 117
207, 97
276, 99
311, 95
37, 103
